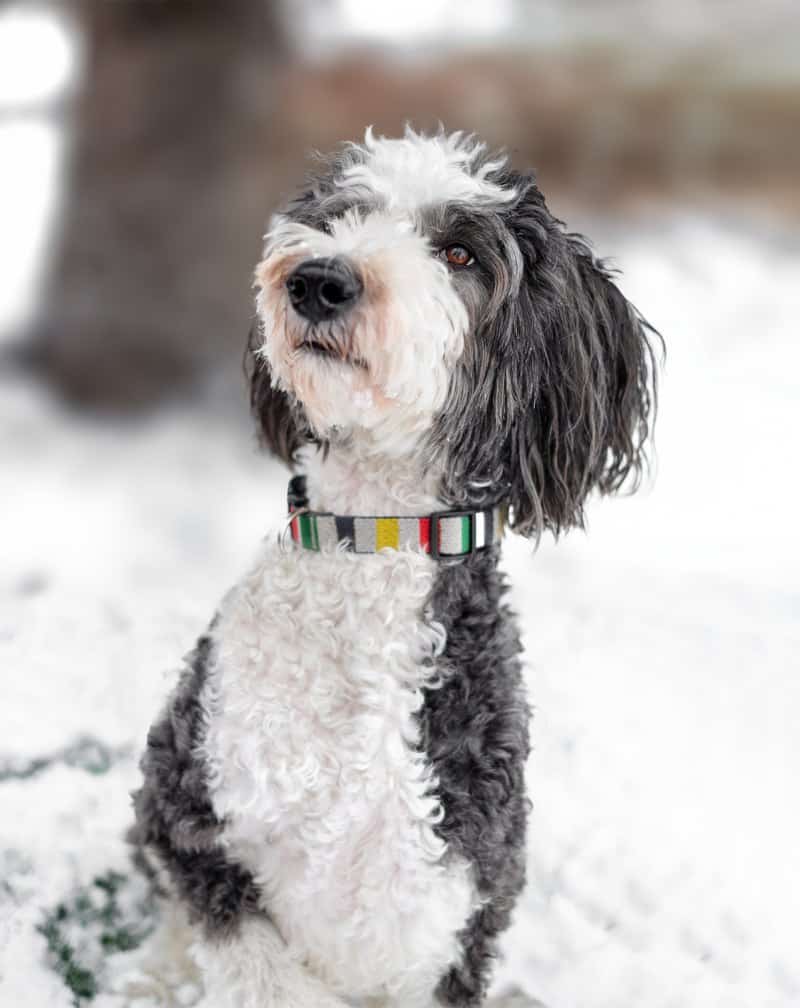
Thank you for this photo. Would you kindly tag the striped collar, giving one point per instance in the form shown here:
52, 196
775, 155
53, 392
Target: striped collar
443, 534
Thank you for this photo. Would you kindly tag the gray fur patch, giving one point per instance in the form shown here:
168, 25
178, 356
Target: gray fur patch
474, 729
174, 817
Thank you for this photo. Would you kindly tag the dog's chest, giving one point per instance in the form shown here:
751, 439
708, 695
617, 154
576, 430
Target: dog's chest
314, 758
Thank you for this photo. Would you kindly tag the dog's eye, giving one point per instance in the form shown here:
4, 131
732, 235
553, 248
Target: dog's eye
457, 255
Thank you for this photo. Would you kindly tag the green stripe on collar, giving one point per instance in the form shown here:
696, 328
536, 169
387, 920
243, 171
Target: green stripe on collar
443, 534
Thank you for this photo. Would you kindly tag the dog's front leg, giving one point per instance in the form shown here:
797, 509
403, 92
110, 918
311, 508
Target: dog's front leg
253, 968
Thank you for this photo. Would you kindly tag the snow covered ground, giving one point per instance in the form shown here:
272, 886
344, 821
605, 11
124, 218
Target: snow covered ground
664, 865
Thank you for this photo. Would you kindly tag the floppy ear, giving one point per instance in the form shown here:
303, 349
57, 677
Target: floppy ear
281, 423
586, 425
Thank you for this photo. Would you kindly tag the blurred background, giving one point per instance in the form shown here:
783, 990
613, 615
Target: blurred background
143, 144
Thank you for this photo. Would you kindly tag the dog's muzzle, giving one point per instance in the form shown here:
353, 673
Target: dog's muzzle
323, 289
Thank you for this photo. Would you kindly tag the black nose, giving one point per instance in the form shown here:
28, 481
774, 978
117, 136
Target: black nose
321, 289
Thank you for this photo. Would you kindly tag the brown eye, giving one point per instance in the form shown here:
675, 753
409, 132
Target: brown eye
457, 255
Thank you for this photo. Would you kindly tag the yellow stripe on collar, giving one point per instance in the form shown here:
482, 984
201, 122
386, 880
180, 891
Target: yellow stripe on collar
443, 534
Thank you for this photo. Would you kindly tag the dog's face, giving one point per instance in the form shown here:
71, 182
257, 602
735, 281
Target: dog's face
366, 282
421, 294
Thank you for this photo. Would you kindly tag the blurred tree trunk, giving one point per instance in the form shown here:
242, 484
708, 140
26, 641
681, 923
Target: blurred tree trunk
164, 204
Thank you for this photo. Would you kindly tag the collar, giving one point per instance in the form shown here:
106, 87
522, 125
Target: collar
442, 534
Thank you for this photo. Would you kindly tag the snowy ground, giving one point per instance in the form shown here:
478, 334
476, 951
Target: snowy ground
663, 645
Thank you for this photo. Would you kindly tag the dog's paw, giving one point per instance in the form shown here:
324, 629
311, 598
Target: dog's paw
514, 998
136, 988
148, 980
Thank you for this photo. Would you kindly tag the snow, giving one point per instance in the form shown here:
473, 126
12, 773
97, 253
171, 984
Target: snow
661, 647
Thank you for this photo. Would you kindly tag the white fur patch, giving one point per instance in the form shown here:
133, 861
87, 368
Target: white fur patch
312, 745
354, 479
416, 171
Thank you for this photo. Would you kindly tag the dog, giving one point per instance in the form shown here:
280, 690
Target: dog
334, 795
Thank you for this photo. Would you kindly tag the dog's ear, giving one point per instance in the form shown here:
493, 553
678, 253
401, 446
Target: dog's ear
281, 424
590, 414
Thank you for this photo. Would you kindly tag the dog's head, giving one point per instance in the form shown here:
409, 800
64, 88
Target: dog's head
419, 293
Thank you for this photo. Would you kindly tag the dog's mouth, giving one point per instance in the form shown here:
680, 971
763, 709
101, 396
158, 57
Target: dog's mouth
332, 352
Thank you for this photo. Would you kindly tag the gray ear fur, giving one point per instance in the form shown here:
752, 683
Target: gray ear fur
587, 423
555, 393
282, 426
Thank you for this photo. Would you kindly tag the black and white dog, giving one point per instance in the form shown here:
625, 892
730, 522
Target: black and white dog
335, 792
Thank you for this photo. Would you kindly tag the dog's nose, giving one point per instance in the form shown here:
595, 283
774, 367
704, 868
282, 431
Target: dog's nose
322, 289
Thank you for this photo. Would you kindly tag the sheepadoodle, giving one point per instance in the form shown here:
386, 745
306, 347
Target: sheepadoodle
334, 798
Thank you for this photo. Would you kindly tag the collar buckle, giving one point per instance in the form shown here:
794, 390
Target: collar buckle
453, 535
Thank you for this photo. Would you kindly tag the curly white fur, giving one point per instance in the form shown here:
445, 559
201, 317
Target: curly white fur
316, 770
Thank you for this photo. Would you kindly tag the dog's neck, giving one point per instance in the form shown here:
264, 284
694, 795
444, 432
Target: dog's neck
352, 477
